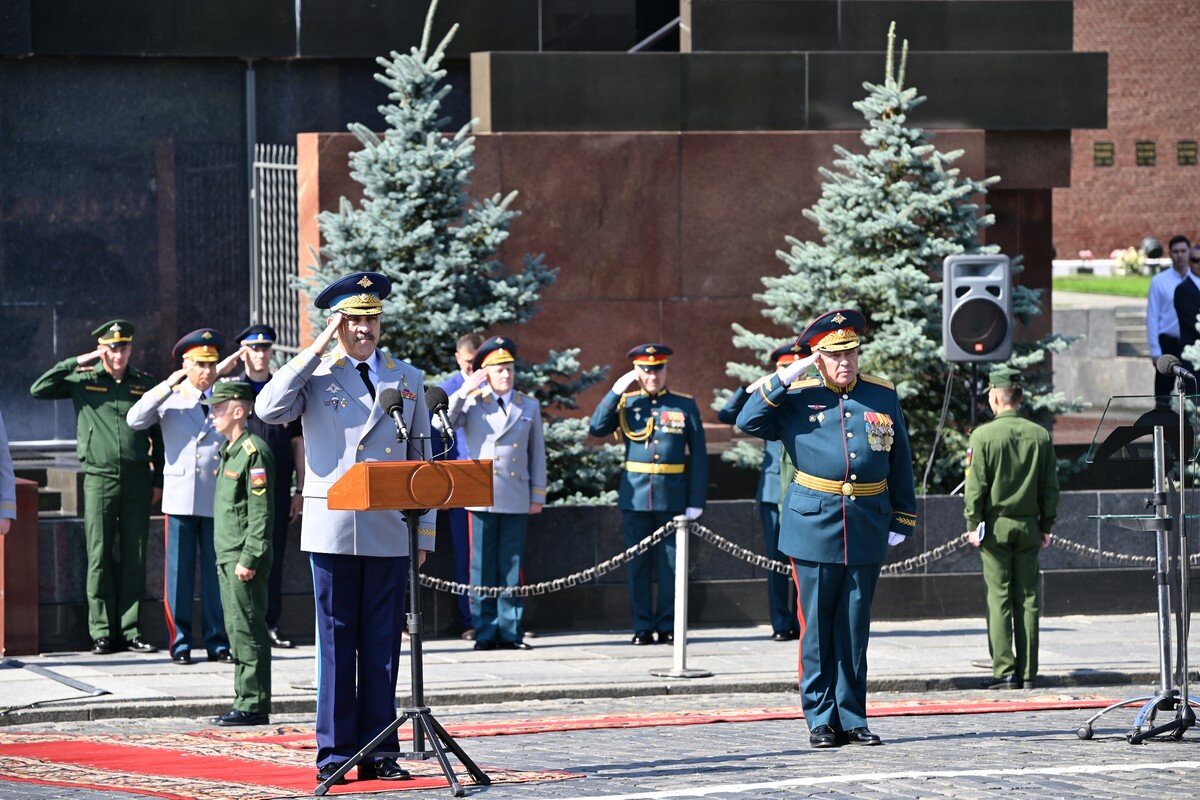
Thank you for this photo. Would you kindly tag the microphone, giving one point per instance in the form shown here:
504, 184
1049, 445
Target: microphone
393, 405
1168, 364
438, 402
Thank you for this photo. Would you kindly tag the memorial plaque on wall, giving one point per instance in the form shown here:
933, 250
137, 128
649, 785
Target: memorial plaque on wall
1145, 154
1185, 152
1103, 154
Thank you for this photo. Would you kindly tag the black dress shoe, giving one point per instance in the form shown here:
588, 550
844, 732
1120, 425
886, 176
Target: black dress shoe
103, 646
485, 645
277, 640
139, 645
784, 636
515, 646
642, 637
823, 736
182, 657
1007, 682
236, 717
326, 772
862, 736
224, 656
666, 637
383, 769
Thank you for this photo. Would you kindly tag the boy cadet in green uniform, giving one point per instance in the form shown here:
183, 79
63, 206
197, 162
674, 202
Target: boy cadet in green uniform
243, 511
1012, 489
122, 479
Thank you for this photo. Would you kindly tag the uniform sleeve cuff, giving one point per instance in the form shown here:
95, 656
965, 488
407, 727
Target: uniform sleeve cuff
425, 540
905, 519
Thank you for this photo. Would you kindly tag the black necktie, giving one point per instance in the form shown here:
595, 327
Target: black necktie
365, 371
500, 402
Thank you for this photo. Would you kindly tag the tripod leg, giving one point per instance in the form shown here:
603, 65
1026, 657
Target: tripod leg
354, 760
437, 732
440, 752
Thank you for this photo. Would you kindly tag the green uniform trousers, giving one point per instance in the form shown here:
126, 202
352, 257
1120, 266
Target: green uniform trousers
1010, 571
116, 523
245, 606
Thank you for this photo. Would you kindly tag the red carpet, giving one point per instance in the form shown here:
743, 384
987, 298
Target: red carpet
231, 764
210, 766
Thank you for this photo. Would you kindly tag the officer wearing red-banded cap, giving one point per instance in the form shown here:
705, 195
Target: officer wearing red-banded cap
851, 496
666, 474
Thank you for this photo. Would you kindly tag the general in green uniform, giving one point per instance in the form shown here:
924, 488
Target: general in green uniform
122, 469
243, 518
1012, 488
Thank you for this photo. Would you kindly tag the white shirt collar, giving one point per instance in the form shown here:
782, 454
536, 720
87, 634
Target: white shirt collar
507, 398
371, 362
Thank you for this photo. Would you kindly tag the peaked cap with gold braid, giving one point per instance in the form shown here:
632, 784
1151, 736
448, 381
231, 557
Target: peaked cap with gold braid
202, 345
834, 331
356, 295
496, 350
114, 332
651, 356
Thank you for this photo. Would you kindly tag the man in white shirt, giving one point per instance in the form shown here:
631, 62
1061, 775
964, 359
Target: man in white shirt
1162, 323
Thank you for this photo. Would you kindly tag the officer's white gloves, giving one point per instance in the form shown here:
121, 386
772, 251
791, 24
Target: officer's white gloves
796, 369
625, 381
894, 538
693, 513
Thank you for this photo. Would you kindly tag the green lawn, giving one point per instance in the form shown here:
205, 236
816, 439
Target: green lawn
1123, 285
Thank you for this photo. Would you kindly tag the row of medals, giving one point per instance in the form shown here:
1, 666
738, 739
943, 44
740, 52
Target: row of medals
880, 436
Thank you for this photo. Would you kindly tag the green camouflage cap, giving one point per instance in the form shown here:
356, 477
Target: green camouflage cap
229, 390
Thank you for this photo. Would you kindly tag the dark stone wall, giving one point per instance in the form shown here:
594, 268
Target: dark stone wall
724, 591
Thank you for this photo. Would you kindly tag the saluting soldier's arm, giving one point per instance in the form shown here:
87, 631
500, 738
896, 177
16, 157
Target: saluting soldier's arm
604, 419
697, 471
55, 383
145, 412
260, 507
729, 412
757, 416
460, 403
537, 458
285, 396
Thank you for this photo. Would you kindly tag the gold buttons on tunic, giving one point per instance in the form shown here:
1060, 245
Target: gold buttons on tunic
849, 434
387, 449
361, 447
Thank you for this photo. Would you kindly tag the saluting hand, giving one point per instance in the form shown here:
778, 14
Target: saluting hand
475, 380
176, 377
625, 381
88, 358
227, 364
796, 369
326, 336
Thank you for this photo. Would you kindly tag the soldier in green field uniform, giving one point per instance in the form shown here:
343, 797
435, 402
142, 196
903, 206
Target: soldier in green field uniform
243, 518
1012, 489
122, 479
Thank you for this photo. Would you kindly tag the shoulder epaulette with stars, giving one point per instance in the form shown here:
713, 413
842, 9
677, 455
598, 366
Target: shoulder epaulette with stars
875, 379
249, 447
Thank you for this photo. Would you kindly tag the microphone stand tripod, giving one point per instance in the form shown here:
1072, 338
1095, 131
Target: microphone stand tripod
425, 725
1168, 697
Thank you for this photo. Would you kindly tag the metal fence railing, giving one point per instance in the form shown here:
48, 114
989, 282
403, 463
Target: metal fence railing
276, 243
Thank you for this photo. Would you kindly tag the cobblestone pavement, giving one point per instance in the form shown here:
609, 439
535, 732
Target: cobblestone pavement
1035, 755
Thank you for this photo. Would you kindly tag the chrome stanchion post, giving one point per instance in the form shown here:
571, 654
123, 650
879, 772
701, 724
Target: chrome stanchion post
679, 668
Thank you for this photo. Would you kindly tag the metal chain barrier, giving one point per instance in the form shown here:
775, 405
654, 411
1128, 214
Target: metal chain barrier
1109, 555
918, 561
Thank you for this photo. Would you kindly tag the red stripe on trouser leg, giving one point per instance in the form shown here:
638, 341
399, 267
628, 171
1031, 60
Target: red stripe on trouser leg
803, 627
166, 593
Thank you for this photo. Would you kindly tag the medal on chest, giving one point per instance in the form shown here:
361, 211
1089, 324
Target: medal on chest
671, 420
880, 430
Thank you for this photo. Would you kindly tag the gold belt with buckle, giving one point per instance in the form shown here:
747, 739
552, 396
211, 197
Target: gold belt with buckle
847, 488
655, 469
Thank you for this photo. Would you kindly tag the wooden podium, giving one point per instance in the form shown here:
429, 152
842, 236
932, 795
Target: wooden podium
414, 487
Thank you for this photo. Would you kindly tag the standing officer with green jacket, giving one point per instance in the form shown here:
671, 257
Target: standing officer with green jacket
122, 479
1012, 489
243, 521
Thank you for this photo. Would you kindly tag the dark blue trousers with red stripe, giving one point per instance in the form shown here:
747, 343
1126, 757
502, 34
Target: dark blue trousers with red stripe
835, 624
360, 619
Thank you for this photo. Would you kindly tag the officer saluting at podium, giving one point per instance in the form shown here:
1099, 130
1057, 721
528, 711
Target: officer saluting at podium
851, 497
359, 558
666, 474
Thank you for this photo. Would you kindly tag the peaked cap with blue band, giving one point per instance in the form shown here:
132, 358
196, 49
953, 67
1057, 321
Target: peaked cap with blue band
358, 294
257, 334
496, 350
652, 356
834, 331
201, 345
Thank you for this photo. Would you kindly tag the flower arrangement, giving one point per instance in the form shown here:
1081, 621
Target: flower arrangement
1130, 261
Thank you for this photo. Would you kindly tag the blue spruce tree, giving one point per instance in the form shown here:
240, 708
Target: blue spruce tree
888, 216
418, 226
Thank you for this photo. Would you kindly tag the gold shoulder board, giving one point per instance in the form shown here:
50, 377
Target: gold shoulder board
804, 383
249, 447
875, 379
